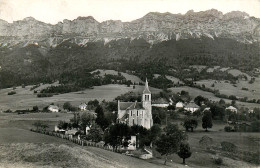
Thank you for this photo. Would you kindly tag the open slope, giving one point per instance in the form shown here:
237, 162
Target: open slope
26, 99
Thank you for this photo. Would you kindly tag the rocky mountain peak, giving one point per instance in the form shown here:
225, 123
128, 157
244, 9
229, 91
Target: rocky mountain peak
28, 19
153, 27
208, 13
236, 14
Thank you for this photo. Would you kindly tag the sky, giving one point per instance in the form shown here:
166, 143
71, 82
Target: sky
53, 11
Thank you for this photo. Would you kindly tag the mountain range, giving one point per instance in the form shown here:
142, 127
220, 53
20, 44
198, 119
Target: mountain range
32, 51
153, 27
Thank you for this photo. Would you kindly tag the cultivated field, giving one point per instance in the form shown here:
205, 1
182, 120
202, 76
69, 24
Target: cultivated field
22, 148
26, 99
194, 92
253, 91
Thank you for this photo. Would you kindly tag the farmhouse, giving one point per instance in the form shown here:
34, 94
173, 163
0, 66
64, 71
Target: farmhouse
53, 108
232, 109
137, 113
179, 105
192, 107
83, 106
160, 103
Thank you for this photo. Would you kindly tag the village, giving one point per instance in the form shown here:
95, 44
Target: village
136, 128
129, 84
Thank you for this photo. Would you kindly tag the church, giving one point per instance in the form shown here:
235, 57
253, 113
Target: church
137, 113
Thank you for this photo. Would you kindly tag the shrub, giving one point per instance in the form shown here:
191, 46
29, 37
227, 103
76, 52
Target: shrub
11, 93
8, 111
44, 95
218, 160
228, 128
228, 146
206, 141
255, 126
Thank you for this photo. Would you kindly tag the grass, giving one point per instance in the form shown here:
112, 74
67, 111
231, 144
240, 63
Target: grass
202, 157
23, 148
19, 146
194, 92
253, 91
26, 99
130, 77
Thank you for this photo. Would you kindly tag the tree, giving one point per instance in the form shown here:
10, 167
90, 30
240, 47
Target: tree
75, 120
184, 151
207, 120
142, 135
190, 123
222, 102
95, 133
44, 127
233, 103
155, 132
169, 142
101, 120
37, 124
67, 106
115, 134
86, 119
63, 125
35, 108
93, 103
199, 100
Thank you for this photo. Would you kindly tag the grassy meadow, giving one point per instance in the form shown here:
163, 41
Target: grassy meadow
26, 99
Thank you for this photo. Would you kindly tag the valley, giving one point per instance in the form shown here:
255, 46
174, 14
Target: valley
151, 92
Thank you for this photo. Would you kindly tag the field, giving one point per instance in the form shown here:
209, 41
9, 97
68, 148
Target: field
23, 148
194, 92
130, 77
253, 91
26, 99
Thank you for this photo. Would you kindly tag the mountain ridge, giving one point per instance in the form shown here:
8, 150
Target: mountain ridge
154, 27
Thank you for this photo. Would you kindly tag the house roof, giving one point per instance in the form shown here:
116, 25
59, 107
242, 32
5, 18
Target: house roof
71, 132
231, 108
192, 105
206, 109
83, 105
53, 107
160, 101
179, 103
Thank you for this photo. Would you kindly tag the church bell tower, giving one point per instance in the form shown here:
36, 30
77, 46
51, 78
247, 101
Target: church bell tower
147, 98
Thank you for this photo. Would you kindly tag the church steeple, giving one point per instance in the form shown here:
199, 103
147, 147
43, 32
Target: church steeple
146, 88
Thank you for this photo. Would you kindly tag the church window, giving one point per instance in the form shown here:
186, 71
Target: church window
133, 121
131, 113
137, 113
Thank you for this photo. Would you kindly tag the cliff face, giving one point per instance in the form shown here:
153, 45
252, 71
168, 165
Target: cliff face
153, 27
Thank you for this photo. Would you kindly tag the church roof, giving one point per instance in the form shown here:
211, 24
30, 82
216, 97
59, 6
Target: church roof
130, 105
146, 88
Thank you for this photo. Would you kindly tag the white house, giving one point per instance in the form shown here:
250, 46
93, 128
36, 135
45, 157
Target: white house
160, 103
192, 107
179, 105
232, 109
53, 108
87, 129
83, 106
